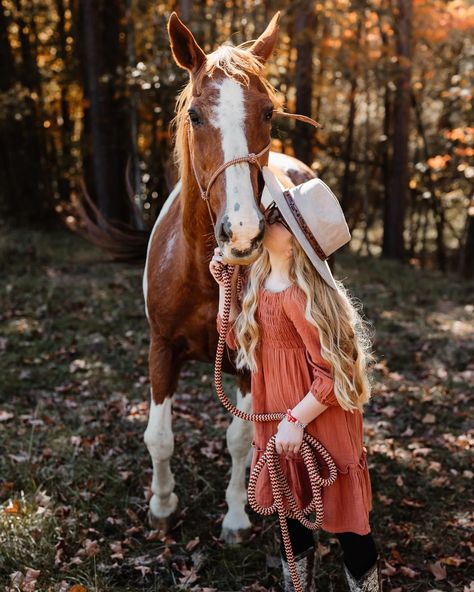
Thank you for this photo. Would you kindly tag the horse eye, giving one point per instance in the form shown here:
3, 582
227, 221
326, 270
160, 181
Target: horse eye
269, 114
194, 117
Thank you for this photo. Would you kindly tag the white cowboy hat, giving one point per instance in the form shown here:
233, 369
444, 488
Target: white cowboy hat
315, 217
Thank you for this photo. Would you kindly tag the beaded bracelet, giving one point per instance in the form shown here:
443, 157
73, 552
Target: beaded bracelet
291, 418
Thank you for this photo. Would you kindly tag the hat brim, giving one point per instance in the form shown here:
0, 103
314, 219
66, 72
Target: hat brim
276, 193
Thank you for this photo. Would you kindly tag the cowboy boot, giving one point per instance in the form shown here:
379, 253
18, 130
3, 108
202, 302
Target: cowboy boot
371, 581
306, 568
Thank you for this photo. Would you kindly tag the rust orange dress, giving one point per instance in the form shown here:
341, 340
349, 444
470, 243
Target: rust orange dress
289, 364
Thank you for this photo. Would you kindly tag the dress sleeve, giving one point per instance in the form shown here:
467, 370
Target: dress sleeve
323, 383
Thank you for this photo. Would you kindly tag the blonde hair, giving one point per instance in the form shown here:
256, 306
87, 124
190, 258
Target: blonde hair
344, 335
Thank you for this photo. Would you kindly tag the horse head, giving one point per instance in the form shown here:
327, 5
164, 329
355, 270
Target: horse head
224, 114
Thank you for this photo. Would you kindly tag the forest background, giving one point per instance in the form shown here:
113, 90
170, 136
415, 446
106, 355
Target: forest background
88, 88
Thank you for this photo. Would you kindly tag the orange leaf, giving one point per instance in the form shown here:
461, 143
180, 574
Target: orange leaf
14, 507
456, 561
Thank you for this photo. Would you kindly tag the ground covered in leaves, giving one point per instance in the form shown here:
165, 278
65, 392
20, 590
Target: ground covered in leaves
75, 474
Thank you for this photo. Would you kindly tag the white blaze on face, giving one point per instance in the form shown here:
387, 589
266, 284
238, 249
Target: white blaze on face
229, 118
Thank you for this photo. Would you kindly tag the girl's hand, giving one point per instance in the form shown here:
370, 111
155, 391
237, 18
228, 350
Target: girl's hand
289, 437
216, 264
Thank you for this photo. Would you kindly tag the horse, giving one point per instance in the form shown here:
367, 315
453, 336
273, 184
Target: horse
223, 114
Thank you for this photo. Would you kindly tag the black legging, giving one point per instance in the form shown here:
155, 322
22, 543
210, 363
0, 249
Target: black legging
360, 552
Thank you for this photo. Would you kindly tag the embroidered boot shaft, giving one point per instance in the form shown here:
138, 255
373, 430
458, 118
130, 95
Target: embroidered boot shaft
371, 581
306, 568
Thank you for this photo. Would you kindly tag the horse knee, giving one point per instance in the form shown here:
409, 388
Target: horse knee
158, 435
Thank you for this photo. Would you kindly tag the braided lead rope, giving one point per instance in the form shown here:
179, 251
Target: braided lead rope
279, 484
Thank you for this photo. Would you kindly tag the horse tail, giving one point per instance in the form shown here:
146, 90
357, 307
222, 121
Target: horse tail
122, 241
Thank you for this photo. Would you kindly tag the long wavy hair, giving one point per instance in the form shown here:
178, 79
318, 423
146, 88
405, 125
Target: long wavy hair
345, 336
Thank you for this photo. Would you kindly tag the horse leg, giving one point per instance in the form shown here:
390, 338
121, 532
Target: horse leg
236, 525
159, 436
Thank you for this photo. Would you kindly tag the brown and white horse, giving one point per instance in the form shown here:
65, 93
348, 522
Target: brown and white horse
223, 113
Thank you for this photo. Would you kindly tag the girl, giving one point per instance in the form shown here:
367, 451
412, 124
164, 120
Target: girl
298, 331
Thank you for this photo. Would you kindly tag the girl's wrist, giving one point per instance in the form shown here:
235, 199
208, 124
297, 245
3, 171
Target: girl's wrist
294, 420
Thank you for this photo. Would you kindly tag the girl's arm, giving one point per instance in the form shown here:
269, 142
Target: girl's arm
308, 409
322, 387
289, 435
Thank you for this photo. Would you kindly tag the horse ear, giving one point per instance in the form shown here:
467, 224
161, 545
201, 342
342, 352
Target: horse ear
263, 46
185, 50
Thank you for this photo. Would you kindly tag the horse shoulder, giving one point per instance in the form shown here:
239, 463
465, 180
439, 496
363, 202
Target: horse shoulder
161, 244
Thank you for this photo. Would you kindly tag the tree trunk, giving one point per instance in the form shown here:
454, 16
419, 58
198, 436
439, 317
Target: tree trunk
26, 191
7, 63
106, 131
468, 247
347, 176
393, 244
304, 30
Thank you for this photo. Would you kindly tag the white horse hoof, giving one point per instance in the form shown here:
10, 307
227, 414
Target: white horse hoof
167, 522
235, 537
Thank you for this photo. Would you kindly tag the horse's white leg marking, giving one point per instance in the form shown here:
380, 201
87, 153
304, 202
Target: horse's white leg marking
164, 209
229, 118
239, 439
160, 442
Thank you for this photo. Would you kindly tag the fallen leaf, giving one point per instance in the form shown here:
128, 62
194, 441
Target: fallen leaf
388, 411
407, 571
389, 570
438, 571
29, 583
456, 561
117, 551
192, 544
412, 503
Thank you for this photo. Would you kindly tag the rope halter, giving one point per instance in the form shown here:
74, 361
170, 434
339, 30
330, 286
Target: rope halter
251, 158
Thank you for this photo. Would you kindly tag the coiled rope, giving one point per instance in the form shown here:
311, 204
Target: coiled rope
279, 484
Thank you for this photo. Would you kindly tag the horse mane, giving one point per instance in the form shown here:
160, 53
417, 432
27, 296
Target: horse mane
236, 62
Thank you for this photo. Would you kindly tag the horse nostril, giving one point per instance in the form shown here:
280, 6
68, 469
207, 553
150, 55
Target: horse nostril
225, 233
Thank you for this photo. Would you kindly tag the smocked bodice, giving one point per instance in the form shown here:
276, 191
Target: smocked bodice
276, 329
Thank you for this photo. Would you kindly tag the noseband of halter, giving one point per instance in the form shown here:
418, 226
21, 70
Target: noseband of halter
251, 158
